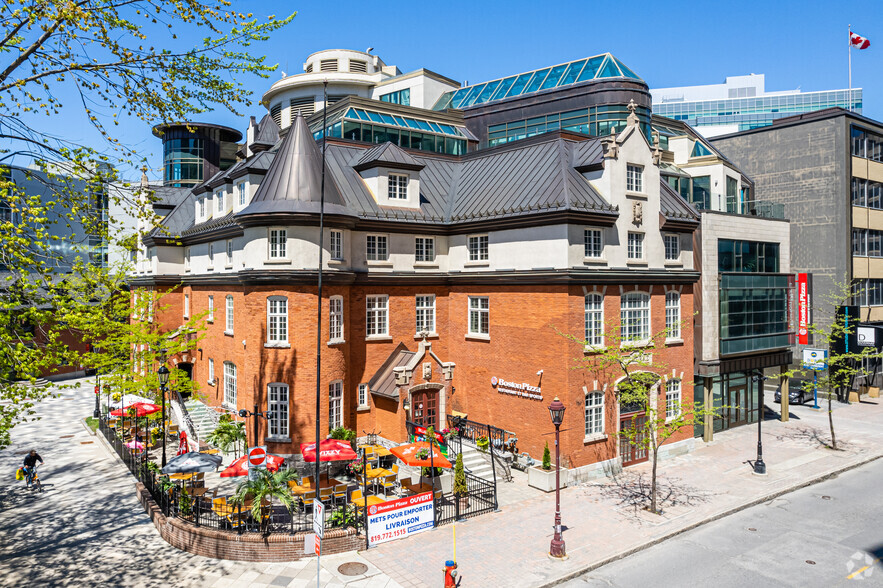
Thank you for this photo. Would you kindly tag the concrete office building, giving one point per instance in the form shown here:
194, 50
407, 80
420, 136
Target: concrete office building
742, 103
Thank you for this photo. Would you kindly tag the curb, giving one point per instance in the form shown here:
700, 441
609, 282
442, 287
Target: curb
765, 498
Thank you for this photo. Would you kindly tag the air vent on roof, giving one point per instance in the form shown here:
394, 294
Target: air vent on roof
328, 65
276, 113
306, 106
333, 98
357, 66
309, 68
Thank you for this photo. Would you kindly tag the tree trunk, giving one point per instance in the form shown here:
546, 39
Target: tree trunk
653, 508
831, 421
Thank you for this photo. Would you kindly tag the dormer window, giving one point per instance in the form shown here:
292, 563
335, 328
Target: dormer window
202, 208
219, 196
398, 187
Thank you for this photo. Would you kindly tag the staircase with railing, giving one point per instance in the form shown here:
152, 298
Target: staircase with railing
183, 420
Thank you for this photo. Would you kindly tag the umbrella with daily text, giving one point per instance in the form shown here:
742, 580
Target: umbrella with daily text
128, 400
138, 409
412, 454
329, 450
192, 462
240, 466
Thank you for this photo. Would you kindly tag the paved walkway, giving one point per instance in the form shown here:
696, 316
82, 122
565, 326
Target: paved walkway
602, 522
88, 529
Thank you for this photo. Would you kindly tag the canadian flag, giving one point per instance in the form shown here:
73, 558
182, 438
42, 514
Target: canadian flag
858, 42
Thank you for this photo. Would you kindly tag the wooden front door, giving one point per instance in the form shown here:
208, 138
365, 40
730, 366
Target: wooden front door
632, 453
424, 408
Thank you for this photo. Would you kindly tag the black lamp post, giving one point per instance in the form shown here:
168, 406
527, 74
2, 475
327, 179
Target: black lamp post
97, 412
163, 375
258, 414
556, 410
759, 465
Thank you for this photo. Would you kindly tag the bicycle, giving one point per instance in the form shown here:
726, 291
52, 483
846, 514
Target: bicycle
33, 478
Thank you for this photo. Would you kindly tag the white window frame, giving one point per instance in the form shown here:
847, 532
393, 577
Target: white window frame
362, 395
377, 316
424, 249
672, 315
211, 309
278, 404
397, 187
229, 252
380, 246
335, 244
277, 321
424, 311
229, 384
479, 308
634, 178
219, 198
211, 256
672, 399
672, 245
478, 247
594, 320
634, 311
186, 306
593, 243
335, 319
211, 370
635, 246
202, 209
240, 190
187, 259
594, 414
228, 315
335, 404
277, 243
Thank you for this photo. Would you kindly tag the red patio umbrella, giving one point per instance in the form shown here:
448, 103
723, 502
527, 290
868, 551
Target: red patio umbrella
138, 409
408, 454
239, 467
329, 450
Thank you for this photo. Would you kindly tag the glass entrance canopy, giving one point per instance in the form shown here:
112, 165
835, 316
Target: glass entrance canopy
565, 74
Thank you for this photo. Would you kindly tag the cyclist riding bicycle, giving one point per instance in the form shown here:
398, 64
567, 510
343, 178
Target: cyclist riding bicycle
30, 466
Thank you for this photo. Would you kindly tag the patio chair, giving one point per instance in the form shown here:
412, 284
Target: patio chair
358, 500
307, 481
306, 501
340, 493
326, 494
389, 483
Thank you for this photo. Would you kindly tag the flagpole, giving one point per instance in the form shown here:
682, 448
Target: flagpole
849, 49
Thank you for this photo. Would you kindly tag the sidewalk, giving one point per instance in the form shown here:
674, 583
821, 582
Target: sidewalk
600, 519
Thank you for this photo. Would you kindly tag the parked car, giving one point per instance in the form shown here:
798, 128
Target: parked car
799, 391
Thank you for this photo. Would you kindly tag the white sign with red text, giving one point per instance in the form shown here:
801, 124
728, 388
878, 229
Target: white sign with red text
403, 517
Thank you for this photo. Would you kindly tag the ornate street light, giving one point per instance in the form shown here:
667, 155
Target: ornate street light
257, 414
759, 465
163, 375
556, 411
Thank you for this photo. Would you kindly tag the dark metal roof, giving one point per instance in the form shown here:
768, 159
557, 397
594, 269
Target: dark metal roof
383, 382
267, 132
673, 206
179, 220
167, 196
388, 155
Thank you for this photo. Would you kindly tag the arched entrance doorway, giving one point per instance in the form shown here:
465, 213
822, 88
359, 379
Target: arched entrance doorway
427, 405
187, 368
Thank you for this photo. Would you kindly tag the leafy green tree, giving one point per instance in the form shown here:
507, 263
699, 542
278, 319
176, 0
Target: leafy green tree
102, 62
228, 434
547, 458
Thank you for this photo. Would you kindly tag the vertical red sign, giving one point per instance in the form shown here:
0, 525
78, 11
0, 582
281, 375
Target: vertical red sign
803, 309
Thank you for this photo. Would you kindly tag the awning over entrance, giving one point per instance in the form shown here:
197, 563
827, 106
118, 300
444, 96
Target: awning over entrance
383, 383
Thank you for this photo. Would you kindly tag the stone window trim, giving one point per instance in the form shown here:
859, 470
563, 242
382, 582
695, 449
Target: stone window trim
336, 334
644, 342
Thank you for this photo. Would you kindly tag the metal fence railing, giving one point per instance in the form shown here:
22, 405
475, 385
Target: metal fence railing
480, 499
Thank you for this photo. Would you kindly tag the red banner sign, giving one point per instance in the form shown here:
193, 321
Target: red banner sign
803, 306
420, 431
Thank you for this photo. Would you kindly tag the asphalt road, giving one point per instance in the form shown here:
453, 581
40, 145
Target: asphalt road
830, 534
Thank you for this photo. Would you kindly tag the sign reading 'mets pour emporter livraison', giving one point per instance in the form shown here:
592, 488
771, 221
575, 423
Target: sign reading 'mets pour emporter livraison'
522, 389
395, 519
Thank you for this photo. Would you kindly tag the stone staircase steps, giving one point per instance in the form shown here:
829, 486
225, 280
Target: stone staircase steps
477, 464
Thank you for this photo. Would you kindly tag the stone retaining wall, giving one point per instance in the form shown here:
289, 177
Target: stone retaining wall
219, 544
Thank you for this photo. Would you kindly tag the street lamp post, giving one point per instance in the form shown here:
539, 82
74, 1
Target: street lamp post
759, 465
163, 375
97, 412
556, 410
258, 414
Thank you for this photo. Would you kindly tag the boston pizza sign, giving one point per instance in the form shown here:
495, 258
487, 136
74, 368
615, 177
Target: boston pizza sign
520, 389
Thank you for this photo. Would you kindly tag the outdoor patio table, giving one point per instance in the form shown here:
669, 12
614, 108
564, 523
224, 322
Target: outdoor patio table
372, 500
378, 473
416, 488
195, 491
180, 476
379, 450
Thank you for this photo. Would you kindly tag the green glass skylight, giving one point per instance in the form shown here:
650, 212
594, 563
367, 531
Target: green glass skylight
565, 74
700, 150
406, 122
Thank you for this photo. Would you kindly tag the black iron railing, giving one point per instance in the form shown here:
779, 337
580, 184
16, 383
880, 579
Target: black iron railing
480, 499
500, 439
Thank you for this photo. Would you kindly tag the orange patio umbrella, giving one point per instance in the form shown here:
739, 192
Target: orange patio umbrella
408, 454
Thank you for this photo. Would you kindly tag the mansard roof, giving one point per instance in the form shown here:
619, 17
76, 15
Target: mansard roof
386, 155
267, 132
674, 208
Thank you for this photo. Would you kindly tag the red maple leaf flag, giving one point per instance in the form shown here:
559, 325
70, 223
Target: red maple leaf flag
858, 42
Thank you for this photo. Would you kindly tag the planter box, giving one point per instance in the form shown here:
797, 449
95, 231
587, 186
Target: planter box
544, 480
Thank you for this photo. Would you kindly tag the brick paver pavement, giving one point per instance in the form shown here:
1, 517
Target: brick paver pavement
510, 547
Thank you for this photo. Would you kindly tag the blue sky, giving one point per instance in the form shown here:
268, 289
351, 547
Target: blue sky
796, 44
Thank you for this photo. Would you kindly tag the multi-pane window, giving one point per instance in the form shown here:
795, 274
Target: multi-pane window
335, 405
867, 243
202, 208
672, 399
478, 247
635, 316
868, 292
634, 179
219, 196
594, 319
592, 241
240, 190
732, 202
336, 244
229, 384
228, 324
377, 314
278, 239
376, 248
398, 187
673, 315
229, 252
672, 247
187, 259
636, 246
211, 370
277, 406
277, 319
186, 305
479, 315
335, 324
211, 309
594, 413
747, 256
425, 313
424, 249
867, 193
211, 255
363, 394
